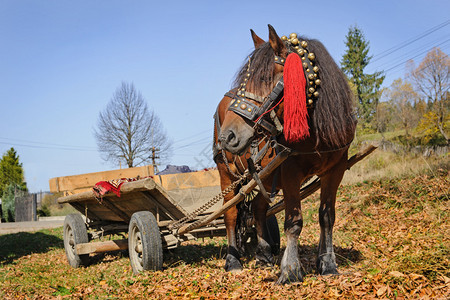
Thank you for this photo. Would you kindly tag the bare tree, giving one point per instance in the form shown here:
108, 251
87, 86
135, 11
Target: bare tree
404, 99
128, 131
384, 116
432, 80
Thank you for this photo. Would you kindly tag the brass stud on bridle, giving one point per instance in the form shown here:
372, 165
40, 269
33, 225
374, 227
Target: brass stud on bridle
243, 102
308, 59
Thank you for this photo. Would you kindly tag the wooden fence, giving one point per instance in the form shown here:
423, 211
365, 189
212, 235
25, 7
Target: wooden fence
26, 208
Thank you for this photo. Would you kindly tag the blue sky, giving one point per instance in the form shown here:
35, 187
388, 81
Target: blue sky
61, 61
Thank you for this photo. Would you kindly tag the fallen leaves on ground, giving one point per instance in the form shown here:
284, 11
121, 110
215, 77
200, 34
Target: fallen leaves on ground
391, 242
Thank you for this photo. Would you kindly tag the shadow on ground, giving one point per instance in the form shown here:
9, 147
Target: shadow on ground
16, 245
186, 254
194, 254
344, 257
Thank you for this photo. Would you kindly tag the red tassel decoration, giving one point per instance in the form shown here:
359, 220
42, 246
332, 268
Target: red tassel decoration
295, 112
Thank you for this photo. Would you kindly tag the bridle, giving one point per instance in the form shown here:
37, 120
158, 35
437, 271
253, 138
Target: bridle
259, 110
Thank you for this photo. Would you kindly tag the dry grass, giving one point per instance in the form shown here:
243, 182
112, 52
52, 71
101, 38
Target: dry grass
382, 165
55, 209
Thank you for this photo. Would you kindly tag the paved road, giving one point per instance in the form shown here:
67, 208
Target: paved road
6, 228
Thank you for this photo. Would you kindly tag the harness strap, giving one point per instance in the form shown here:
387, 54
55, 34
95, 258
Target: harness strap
254, 173
267, 126
274, 191
216, 148
279, 60
244, 108
229, 95
254, 97
276, 121
273, 96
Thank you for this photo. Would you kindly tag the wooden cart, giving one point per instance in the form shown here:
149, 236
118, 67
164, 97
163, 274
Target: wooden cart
159, 212
144, 210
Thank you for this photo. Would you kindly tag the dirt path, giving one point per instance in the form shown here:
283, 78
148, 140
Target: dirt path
7, 228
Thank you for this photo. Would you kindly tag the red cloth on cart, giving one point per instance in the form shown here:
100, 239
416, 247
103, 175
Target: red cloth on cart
101, 188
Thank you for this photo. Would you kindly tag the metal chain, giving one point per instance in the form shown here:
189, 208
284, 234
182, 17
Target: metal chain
191, 216
225, 160
240, 178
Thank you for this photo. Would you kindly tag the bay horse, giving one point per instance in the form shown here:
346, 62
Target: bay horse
290, 93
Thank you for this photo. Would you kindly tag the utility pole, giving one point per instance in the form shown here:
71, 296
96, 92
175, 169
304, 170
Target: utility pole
154, 157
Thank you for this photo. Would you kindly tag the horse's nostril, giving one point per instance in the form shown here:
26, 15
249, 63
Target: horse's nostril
231, 136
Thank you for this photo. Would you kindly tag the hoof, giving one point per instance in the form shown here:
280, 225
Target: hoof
263, 264
232, 264
235, 271
329, 272
264, 256
290, 277
326, 265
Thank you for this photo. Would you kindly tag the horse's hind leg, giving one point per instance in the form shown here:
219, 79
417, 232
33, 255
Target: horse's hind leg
326, 261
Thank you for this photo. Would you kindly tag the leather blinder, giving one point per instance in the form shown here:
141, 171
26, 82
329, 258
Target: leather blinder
244, 108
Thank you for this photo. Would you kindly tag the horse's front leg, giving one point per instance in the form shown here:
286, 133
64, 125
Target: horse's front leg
291, 268
232, 263
264, 251
326, 261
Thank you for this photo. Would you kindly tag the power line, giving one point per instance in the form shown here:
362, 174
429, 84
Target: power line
48, 144
409, 75
426, 51
409, 41
193, 136
196, 142
47, 147
414, 51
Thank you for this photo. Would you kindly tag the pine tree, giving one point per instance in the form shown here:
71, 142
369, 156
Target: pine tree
11, 179
11, 171
367, 86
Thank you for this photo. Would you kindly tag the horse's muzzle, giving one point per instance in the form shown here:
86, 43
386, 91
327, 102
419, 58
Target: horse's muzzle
237, 141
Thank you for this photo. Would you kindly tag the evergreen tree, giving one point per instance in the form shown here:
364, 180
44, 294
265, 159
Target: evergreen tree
367, 86
11, 179
9, 203
11, 171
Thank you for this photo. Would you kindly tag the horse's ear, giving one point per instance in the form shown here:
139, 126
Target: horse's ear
256, 39
276, 43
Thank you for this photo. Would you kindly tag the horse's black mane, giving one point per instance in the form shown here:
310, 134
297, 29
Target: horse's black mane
332, 120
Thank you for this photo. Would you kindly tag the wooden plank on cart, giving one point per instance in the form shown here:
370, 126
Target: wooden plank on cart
140, 195
84, 182
100, 247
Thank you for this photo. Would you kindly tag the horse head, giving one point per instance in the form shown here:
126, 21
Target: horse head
262, 100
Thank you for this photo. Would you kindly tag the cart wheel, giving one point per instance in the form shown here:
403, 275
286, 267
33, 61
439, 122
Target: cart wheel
274, 234
144, 243
75, 233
